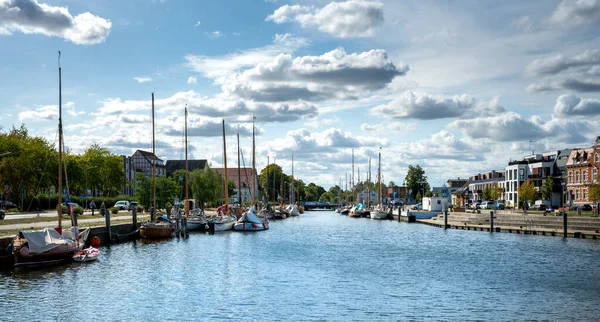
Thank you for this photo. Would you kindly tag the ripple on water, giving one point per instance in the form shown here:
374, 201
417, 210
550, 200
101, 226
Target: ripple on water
320, 266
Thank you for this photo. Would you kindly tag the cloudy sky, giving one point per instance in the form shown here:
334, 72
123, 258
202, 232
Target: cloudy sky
457, 87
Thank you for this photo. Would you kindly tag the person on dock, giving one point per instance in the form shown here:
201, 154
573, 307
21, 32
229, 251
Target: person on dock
103, 209
92, 206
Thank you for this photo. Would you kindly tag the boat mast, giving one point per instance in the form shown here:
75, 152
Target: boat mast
368, 183
346, 191
239, 175
187, 198
379, 177
352, 178
253, 165
225, 165
59, 144
293, 195
153, 166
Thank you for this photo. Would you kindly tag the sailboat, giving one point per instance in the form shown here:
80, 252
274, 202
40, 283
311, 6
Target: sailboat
225, 220
49, 246
291, 209
162, 227
250, 221
379, 212
195, 218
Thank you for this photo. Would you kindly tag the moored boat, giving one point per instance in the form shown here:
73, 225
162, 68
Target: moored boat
37, 248
86, 255
162, 227
251, 222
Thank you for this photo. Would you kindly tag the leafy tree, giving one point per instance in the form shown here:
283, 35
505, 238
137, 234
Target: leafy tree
144, 190
527, 191
334, 194
496, 192
325, 197
416, 180
418, 196
392, 184
487, 193
547, 189
428, 193
207, 185
594, 192
166, 191
270, 180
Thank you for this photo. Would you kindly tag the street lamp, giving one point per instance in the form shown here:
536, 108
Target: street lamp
86, 184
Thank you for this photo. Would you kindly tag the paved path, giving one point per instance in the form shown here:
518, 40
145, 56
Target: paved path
66, 222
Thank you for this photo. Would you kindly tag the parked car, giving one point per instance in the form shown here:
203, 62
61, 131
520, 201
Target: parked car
585, 207
487, 205
540, 207
1, 214
498, 206
123, 205
6, 204
418, 206
476, 206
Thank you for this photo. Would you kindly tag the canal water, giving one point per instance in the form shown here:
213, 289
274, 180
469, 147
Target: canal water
319, 266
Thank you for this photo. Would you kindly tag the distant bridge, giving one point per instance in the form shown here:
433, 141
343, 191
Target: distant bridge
318, 205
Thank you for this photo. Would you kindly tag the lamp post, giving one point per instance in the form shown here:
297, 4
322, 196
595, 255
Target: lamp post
86, 184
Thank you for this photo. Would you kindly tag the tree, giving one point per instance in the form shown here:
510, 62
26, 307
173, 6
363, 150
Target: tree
207, 185
547, 189
527, 191
496, 192
392, 184
326, 197
143, 190
428, 193
594, 192
416, 180
487, 193
270, 179
334, 194
418, 196
166, 191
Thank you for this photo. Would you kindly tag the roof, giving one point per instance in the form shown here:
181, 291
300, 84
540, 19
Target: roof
464, 189
580, 157
563, 157
148, 155
245, 175
174, 165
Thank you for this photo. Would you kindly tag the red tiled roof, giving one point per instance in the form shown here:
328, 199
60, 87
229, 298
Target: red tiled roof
245, 175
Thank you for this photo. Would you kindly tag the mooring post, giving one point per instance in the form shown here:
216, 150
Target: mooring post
133, 206
399, 212
564, 213
492, 221
446, 218
107, 221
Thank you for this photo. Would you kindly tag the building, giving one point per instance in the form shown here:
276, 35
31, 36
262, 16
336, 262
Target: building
243, 183
143, 161
452, 186
174, 165
396, 193
538, 168
581, 171
481, 181
461, 196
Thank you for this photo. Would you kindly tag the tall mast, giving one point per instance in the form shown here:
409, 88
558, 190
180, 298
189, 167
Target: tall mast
274, 190
346, 181
187, 207
59, 144
225, 165
239, 175
153, 166
368, 183
253, 165
267, 181
352, 183
293, 195
379, 176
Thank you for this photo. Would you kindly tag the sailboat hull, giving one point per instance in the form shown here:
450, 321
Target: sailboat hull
224, 226
156, 230
248, 226
379, 215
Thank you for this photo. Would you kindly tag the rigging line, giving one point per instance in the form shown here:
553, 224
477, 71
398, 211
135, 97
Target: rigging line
245, 172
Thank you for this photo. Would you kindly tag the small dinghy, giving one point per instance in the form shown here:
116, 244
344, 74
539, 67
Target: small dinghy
86, 255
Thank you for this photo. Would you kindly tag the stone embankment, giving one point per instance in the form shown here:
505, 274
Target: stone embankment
579, 227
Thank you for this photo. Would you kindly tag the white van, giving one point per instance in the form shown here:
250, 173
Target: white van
487, 205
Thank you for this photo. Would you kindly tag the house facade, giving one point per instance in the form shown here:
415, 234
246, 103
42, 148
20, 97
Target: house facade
129, 176
481, 181
174, 165
582, 170
243, 183
143, 161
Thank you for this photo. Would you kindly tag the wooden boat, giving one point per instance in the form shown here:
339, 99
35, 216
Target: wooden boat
38, 248
196, 220
89, 254
162, 227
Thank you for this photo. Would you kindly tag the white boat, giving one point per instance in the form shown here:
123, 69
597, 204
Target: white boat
87, 255
292, 210
196, 220
379, 213
251, 222
222, 223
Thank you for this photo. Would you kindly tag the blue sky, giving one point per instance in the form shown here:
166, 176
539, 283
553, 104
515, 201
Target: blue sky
457, 87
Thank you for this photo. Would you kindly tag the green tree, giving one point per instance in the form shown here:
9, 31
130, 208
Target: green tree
326, 197
496, 192
166, 191
547, 189
527, 191
334, 194
270, 180
418, 197
416, 180
487, 193
207, 185
594, 192
392, 184
428, 193
144, 190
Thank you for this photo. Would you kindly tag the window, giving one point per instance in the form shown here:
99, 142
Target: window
515, 174
509, 175
585, 177
594, 174
577, 194
521, 174
570, 176
577, 176
597, 158
585, 196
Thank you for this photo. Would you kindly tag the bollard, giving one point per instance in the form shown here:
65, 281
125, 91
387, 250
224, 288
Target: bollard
107, 221
492, 221
445, 218
133, 206
399, 212
564, 213
211, 228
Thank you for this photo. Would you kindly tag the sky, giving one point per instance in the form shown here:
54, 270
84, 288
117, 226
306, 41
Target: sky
457, 87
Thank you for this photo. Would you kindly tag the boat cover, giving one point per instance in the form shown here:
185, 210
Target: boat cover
165, 219
40, 241
251, 217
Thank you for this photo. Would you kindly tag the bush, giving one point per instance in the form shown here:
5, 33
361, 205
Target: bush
114, 210
65, 209
139, 209
78, 211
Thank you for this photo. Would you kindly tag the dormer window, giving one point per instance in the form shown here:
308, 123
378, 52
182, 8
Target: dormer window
596, 158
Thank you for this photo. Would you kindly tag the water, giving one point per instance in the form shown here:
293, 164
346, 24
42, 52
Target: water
319, 266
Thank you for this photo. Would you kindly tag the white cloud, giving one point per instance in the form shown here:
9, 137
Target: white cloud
46, 112
577, 12
70, 108
570, 105
387, 128
333, 75
143, 79
424, 106
219, 68
560, 63
577, 73
32, 17
214, 34
506, 127
197, 23
192, 80
355, 18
